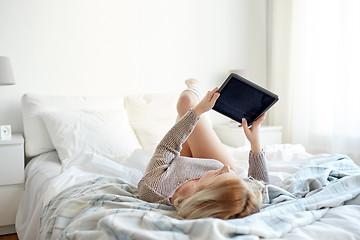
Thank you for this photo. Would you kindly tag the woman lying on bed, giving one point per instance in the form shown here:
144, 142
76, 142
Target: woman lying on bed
183, 171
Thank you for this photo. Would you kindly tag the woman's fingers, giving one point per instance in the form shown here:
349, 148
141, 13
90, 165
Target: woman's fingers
207, 102
259, 120
215, 96
245, 124
212, 92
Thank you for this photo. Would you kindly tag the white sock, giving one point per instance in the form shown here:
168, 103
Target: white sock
197, 90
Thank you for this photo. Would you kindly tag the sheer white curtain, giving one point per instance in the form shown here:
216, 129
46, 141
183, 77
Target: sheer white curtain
325, 75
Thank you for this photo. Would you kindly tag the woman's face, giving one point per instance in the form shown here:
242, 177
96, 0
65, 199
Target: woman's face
216, 175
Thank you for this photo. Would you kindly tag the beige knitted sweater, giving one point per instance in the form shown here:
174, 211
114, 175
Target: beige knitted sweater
167, 170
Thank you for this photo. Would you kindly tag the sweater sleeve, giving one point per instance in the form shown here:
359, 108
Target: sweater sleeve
170, 146
257, 167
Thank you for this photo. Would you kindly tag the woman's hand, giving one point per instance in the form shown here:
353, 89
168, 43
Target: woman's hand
207, 102
252, 133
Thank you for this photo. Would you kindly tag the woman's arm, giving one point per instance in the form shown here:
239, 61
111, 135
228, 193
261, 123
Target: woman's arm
257, 159
253, 133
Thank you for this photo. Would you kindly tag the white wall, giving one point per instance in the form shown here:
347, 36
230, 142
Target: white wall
118, 47
279, 38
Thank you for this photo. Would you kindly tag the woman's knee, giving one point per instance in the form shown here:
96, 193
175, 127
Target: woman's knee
186, 101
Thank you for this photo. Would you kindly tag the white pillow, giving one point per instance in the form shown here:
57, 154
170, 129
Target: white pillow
151, 116
151, 133
151, 107
37, 140
103, 132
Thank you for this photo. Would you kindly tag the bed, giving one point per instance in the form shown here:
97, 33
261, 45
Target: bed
87, 154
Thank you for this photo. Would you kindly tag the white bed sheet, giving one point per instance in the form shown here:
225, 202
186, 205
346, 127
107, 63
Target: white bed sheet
38, 174
45, 177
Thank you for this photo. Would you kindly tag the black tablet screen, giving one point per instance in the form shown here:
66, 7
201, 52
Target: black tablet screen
240, 100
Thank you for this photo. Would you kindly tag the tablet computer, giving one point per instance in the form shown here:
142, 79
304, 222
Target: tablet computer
241, 98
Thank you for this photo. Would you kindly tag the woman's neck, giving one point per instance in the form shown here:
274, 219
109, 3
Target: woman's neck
186, 190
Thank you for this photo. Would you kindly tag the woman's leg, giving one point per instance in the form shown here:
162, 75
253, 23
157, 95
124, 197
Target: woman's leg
203, 141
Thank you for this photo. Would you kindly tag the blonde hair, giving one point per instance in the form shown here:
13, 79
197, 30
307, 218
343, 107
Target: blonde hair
226, 199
